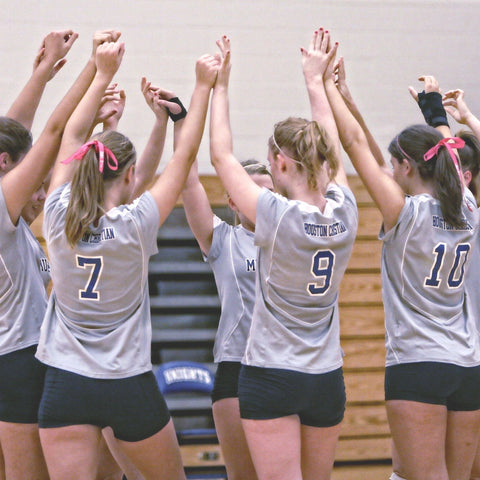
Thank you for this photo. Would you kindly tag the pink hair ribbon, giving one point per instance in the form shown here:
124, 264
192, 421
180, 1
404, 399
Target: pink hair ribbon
450, 144
99, 148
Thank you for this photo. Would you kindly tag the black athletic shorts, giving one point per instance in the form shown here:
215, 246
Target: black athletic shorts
21, 386
458, 388
133, 406
226, 381
266, 393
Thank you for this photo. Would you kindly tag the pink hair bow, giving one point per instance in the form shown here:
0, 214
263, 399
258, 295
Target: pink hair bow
102, 151
450, 144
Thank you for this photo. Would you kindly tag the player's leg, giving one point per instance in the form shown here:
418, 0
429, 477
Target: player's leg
143, 428
226, 413
318, 451
419, 432
463, 424
397, 473
321, 417
114, 463
20, 393
238, 462
475, 473
157, 457
22, 451
462, 440
72, 452
275, 447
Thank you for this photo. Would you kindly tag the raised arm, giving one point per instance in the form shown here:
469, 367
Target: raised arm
170, 183
341, 82
455, 105
107, 60
156, 99
49, 60
111, 109
430, 103
242, 189
385, 192
19, 184
317, 63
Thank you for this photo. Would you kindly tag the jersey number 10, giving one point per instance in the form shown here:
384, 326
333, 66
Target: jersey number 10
457, 271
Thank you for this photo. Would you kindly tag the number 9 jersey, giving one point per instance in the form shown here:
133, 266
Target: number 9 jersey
424, 265
303, 254
98, 317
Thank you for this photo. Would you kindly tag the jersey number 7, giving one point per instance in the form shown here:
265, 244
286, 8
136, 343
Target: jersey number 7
96, 265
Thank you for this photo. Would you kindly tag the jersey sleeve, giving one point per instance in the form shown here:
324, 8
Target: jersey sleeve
6, 225
220, 232
145, 211
406, 217
270, 208
340, 196
55, 204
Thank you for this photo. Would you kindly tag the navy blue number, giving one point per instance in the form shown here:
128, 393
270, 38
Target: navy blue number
90, 292
454, 279
461, 254
433, 280
322, 268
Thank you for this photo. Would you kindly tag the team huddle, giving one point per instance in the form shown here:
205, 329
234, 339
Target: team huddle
79, 398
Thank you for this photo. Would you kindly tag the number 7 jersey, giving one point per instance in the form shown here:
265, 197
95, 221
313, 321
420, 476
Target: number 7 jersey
98, 317
424, 265
303, 254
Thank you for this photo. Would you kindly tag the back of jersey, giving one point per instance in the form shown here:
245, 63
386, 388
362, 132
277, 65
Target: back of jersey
424, 261
100, 291
303, 254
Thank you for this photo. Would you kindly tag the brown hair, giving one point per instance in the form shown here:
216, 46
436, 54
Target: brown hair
15, 139
87, 193
308, 144
412, 143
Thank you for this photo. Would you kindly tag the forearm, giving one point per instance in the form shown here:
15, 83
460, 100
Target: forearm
321, 111
61, 114
81, 120
198, 210
474, 124
221, 143
349, 130
374, 148
191, 133
25, 105
148, 162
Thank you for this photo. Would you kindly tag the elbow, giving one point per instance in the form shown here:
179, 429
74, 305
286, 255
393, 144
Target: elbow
353, 140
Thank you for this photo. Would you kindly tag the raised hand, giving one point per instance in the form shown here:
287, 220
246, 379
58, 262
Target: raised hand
206, 70
53, 49
431, 85
111, 108
454, 103
318, 60
157, 99
109, 57
224, 58
104, 36
340, 78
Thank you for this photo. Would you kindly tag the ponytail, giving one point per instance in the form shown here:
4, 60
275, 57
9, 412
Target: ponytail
86, 198
87, 191
440, 169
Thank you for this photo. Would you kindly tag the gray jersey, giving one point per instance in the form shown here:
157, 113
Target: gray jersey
98, 318
424, 261
232, 257
303, 254
24, 275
